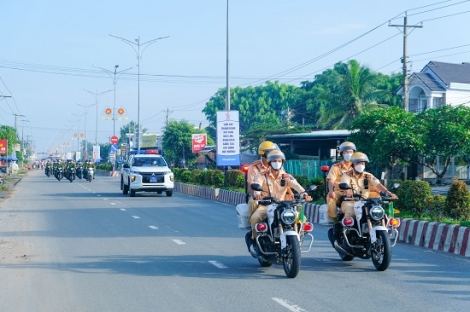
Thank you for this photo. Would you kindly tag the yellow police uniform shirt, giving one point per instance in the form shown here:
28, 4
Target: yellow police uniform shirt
266, 179
356, 181
336, 173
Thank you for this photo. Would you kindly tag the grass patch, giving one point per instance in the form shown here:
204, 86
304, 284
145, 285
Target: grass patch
3, 187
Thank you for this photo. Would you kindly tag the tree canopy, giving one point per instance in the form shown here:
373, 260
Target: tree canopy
176, 142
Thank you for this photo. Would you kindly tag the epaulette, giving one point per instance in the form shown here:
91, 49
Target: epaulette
367, 176
287, 176
350, 172
339, 164
265, 172
256, 163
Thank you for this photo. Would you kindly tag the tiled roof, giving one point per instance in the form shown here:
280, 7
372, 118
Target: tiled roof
429, 81
448, 72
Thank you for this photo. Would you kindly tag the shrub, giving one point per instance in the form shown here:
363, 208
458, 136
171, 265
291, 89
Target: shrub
319, 193
436, 207
196, 176
186, 176
412, 196
458, 201
217, 178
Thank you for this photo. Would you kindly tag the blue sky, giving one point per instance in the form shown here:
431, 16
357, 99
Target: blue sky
49, 48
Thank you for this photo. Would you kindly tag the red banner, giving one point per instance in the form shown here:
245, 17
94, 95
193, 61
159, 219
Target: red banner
199, 141
3, 147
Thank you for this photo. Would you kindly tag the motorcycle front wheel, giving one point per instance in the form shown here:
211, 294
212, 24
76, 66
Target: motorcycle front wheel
381, 251
291, 261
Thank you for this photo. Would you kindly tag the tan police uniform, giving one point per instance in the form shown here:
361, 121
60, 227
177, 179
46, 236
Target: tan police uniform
334, 176
255, 168
272, 187
356, 181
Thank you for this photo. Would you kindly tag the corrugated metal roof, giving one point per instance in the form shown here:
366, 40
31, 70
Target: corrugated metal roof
312, 135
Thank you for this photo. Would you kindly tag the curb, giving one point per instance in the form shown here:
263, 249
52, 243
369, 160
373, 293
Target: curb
449, 238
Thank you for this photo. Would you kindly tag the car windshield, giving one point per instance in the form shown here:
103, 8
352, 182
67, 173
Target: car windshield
149, 162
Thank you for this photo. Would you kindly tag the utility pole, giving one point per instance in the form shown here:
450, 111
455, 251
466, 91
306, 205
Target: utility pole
227, 79
16, 120
168, 111
404, 60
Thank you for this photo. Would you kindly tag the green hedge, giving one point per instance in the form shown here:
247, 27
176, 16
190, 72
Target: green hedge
235, 179
104, 166
415, 199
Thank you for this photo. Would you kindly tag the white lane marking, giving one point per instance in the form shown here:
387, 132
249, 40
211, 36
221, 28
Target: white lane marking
153, 227
122, 209
218, 264
136, 217
179, 242
289, 306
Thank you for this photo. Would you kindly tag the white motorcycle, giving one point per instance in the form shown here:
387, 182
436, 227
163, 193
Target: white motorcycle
90, 174
281, 235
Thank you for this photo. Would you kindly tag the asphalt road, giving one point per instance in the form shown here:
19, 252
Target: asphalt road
86, 247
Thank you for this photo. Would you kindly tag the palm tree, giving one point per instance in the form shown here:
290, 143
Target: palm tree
353, 93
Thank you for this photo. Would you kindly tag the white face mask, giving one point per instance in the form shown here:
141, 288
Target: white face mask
276, 165
360, 168
347, 157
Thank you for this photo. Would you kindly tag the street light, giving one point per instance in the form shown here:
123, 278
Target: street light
86, 145
97, 98
139, 56
115, 78
22, 137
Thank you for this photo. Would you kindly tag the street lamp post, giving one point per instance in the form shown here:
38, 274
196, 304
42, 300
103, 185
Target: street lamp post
139, 56
115, 77
85, 155
97, 98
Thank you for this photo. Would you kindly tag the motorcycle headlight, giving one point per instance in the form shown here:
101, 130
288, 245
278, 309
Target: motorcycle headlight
288, 216
376, 213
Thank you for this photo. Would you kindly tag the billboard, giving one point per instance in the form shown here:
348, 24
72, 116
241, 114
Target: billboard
148, 140
198, 142
228, 138
3, 147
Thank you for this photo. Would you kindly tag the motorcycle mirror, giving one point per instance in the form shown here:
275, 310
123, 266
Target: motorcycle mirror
395, 186
311, 188
256, 187
344, 186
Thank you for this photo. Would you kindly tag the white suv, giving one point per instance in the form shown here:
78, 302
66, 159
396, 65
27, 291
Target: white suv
147, 172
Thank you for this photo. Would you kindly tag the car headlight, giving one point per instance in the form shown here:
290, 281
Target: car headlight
376, 213
288, 216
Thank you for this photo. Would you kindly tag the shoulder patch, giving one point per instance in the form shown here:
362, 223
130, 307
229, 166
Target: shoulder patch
256, 163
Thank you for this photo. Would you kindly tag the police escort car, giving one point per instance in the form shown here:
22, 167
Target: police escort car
146, 171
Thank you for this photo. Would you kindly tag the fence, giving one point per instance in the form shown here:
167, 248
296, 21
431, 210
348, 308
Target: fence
307, 167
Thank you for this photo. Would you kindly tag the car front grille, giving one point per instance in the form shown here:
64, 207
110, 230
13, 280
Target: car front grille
153, 177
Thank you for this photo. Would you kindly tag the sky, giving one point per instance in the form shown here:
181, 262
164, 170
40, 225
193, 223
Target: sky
57, 57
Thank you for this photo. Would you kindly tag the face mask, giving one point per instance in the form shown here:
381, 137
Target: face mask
276, 165
347, 157
359, 168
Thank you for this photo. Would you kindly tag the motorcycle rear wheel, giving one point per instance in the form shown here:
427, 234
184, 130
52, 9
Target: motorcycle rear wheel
291, 262
382, 251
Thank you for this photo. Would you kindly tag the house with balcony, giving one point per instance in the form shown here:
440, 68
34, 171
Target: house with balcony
439, 84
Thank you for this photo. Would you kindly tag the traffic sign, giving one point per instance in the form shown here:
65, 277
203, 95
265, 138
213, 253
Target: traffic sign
114, 139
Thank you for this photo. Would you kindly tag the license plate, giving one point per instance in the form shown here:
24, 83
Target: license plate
153, 179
